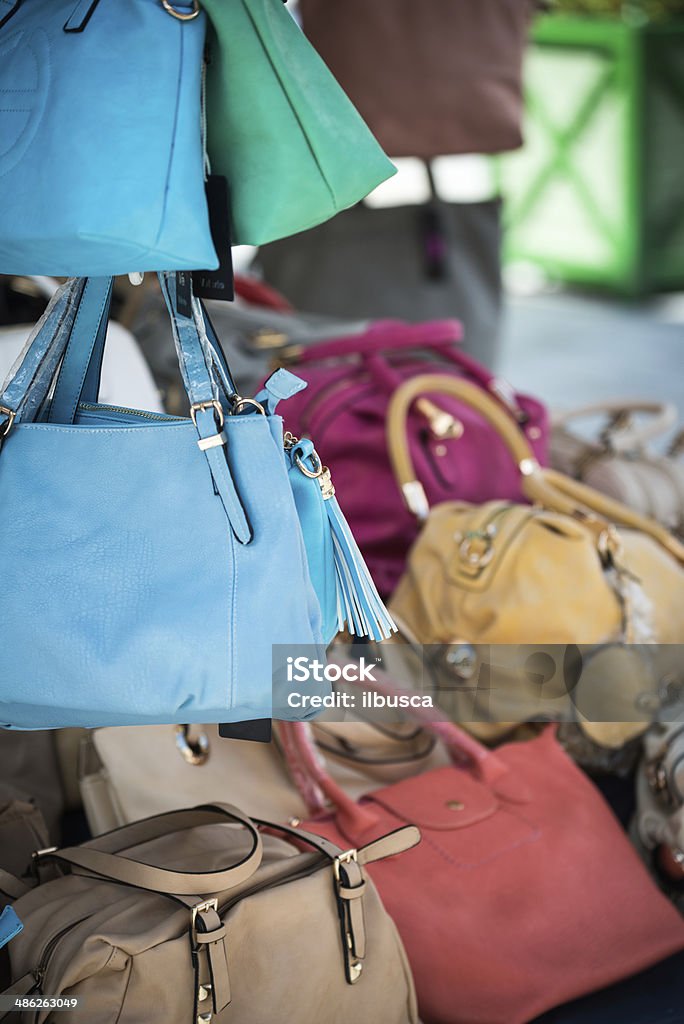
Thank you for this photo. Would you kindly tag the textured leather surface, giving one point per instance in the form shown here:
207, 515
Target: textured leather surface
133, 599
114, 184
292, 146
275, 941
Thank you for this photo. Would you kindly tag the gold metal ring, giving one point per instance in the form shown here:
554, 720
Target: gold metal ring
312, 474
242, 402
194, 751
177, 14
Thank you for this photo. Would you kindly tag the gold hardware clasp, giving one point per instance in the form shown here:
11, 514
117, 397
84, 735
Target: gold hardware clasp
476, 547
442, 423
170, 9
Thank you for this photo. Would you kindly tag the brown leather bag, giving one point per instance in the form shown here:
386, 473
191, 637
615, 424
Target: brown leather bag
149, 925
430, 78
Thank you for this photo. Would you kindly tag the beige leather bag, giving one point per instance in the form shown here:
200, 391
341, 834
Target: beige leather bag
554, 572
151, 926
130, 772
619, 463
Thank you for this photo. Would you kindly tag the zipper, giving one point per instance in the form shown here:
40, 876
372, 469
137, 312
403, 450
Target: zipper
158, 417
49, 949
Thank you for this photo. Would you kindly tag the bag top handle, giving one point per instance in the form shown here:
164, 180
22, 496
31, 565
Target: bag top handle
74, 327
548, 488
621, 434
386, 336
102, 856
312, 779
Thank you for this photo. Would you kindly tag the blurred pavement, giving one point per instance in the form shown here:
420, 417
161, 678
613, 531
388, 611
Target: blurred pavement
570, 348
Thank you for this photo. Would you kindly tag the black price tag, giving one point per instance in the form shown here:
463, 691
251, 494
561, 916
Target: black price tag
217, 284
258, 730
184, 293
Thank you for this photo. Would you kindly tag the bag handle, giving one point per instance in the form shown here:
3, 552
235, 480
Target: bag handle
548, 488
310, 775
385, 336
74, 326
102, 856
621, 434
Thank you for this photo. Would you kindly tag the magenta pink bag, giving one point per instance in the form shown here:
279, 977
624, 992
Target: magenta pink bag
456, 453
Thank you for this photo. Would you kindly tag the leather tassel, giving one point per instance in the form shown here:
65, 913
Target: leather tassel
359, 606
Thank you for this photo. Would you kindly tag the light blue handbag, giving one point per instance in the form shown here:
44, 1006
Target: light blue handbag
149, 563
101, 166
345, 589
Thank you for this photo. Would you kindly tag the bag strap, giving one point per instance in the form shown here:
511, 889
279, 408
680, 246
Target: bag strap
74, 325
386, 336
102, 856
309, 773
621, 434
548, 488
79, 375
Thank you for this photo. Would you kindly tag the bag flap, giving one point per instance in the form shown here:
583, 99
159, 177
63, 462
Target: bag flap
442, 800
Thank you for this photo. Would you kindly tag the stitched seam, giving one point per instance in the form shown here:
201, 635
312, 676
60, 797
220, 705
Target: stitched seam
173, 137
472, 866
73, 427
333, 197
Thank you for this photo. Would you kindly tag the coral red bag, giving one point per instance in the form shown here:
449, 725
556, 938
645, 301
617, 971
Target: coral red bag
524, 892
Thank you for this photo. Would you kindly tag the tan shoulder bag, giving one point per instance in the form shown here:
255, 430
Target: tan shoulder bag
558, 571
150, 925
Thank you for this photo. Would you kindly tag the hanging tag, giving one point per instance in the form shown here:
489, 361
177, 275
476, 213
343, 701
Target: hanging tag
184, 293
258, 730
217, 284
10, 925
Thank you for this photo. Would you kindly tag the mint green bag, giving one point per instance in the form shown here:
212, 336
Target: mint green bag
292, 146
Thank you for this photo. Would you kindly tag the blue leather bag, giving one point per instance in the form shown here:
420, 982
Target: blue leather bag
344, 587
101, 165
149, 563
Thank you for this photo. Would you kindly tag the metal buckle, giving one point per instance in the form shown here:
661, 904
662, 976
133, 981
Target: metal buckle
203, 406
348, 857
194, 13
11, 415
201, 908
214, 440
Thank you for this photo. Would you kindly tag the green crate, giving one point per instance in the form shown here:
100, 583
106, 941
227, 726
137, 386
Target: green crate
596, 195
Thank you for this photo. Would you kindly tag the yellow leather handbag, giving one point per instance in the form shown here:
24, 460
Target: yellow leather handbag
574, 567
